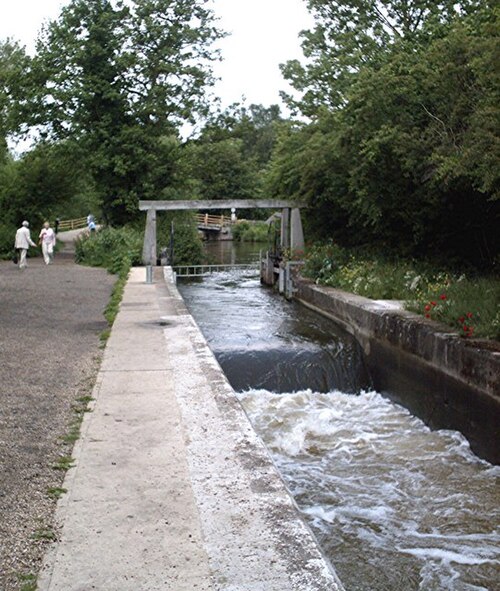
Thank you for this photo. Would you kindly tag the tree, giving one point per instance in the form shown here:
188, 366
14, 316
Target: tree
13, 63
221, 171
256, 126
230, 156
409, 163
118, 79
351, 34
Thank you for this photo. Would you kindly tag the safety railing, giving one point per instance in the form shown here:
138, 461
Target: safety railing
75, 224
206, 270
205, 219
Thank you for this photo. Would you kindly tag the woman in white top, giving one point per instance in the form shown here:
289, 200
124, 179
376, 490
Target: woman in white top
48, 241
22, 243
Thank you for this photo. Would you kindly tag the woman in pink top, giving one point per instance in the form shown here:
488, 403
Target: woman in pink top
48, 241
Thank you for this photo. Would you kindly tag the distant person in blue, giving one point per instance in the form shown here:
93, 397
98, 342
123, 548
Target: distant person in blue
91, 223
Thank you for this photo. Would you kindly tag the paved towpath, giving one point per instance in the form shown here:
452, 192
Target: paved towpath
50, 320
172, 489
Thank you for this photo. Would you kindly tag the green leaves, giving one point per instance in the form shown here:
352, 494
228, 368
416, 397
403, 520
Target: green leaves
352, 34
403, 150
229, 159
119, 78
13, 63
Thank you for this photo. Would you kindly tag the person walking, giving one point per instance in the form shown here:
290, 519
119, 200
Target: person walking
48, 241
22, 243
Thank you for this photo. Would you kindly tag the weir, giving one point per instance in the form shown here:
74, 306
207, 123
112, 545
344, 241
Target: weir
395, 506
440, 377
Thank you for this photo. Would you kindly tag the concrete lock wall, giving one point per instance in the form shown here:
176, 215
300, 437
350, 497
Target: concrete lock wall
443, 379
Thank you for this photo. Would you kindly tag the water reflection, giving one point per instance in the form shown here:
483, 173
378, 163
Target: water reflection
227, 252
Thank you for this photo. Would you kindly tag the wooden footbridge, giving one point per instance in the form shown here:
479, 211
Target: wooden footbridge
212, 223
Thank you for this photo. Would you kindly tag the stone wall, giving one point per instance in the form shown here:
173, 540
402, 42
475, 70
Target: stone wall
447, 381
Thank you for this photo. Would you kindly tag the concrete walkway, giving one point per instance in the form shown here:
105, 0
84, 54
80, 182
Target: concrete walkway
172, 489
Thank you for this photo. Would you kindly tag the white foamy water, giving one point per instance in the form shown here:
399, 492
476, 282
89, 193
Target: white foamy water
396, 507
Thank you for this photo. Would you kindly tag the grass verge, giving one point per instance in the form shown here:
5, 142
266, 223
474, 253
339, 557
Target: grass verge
27, 582
467, 303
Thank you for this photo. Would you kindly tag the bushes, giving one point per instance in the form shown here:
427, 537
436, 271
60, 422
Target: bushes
469, 305
188, 248
114, 249
250, 232
7, 235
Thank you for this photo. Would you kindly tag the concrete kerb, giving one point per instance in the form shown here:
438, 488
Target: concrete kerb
194, 500
447, 381
305, 563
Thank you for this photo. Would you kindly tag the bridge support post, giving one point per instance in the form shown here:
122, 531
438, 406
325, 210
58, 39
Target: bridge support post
285, 228
296, 231
149, 255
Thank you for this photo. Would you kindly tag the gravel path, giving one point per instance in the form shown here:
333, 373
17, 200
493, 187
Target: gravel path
50, 320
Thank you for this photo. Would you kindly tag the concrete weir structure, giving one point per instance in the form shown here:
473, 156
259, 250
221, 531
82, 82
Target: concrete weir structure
172, 489
446, 381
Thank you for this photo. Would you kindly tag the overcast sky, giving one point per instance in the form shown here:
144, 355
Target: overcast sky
264, 33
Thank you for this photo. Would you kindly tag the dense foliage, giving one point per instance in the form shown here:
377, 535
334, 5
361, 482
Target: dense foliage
230, 157
251, 231
113, 249
106, 93
119, 79
402, 152
186, 247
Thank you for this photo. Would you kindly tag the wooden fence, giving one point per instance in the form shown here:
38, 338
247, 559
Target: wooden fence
75, 224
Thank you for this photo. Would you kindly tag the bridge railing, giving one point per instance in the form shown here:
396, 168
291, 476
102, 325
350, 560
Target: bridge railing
205, 219
74, 224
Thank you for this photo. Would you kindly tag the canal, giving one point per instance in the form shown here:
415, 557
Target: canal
395, 506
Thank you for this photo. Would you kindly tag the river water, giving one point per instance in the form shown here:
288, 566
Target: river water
395, 506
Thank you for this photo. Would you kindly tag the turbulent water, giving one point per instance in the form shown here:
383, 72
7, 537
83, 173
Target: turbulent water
395, 506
